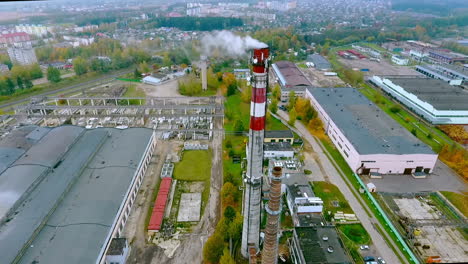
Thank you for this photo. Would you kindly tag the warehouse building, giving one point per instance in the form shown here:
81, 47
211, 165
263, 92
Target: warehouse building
278, 150
454, 75
447, 57
369, 140
435, 100
290, 78
66, 192
279, 136
319, 62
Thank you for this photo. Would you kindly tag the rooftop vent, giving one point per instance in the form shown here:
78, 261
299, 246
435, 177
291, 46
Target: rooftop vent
325, 238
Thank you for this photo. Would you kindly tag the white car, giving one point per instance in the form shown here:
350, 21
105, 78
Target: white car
381, 260
364, 247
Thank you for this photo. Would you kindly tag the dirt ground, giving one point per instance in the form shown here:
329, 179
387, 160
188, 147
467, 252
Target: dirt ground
166, 89
318, 79
383, 67
444, 241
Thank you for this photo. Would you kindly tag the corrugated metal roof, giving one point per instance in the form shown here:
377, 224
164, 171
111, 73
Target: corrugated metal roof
160, 205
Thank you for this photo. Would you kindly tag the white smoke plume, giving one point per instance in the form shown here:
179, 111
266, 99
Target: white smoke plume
228, 44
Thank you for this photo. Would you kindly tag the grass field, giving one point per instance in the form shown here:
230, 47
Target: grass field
330, 194
195, 166
460, 201
356, 233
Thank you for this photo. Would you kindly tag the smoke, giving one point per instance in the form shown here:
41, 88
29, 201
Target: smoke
228, 44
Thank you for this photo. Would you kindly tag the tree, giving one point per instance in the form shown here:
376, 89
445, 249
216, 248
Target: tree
276, 92
239, 126
143, 67
226, 258
35, 71
213, 249
292, 117
10, 86
137, 73
28, 84
229, 213
80, 65
53, 74
19, 82
246, 94
273, 106
292, 100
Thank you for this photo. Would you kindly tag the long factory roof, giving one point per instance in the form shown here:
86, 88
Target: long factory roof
367, 127
63, 192
289, 75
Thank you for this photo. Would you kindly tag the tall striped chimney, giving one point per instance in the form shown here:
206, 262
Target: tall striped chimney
253, 181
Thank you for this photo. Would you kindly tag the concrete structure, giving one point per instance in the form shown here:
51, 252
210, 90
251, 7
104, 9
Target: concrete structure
273, 210
278, 150
448, 57
368, 139
302, 200
204, 66
22, 56
70, 191
151, 80
319, 62
454, 75
279, 136
399, 60
253, 178
290, 79
317, 245
189, 208
435, 100
118, 251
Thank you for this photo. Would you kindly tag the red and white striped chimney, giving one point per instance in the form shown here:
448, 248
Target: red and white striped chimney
253, 189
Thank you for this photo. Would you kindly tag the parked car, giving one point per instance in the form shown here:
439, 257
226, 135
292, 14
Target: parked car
282, 107
369, 258
381, 260
364, 247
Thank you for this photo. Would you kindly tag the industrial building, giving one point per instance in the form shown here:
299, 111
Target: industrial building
454, 75
279, 136
159, 207
67, 191
242, 74
448, 57
435, 100
278, 150
317, 245
369, 140
319, 62
399, 60
290, 79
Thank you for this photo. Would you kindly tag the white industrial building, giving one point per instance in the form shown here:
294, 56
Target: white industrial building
399, 60
278, 150
290, 78
151, 80
369, 140
435, 100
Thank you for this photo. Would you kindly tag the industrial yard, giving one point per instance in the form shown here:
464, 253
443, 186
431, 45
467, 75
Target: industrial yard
430, 225
319, 79
382, 67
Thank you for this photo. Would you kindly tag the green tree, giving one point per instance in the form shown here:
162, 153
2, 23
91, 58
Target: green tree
10, 86
213, 249
276, 92
273, 106
53, 74
19, 82
229, 213
143, 67
226, 258
292, 117
28, 84
35, 71
137, 73
292, 100
239, 126
80, 66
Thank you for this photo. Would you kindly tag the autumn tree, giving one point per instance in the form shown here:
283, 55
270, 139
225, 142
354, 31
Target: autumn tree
292, 117
214, 247
292, 100
226, 258
53, 75
276, 93
80, 66
273, 106
246, 94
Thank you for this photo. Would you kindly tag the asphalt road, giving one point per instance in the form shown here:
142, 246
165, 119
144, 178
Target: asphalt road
70, 88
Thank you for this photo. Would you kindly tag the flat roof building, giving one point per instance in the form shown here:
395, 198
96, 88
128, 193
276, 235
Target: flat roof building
290, 78
451, 74
368, 139
279, 136
447, 56
278, 150
320, 63
435, 100
71, 193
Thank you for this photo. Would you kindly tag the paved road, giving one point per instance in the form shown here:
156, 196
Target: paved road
69, 88
368, 222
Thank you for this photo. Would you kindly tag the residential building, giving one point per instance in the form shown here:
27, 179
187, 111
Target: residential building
22, 56
319, 62
290, 78
72, 191
9, 39
37, 30
4, 68
399, 60
317, 245
279, 136
369, 140
278, 150
435, 100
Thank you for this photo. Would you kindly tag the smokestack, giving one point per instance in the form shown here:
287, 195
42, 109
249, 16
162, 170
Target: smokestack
203, 66
253, 180
273, 209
